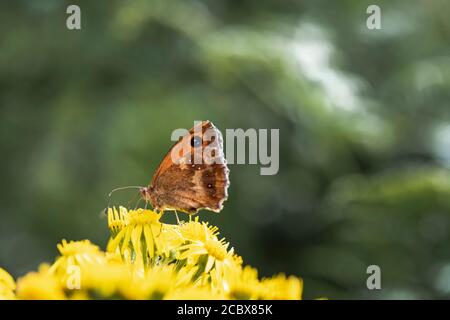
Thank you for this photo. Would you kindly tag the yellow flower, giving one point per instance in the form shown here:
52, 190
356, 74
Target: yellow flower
124, 281
79, 295
194, 293
153, 284
137, 235
75, 256
216, 251
78, 253
117, 219
241, 283
281, 287
148, 259
205, 255
201, 239
106, 280
7, 285
196, 231
41, 285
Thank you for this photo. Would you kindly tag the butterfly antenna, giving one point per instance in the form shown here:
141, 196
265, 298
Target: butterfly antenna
118, 189
123, 188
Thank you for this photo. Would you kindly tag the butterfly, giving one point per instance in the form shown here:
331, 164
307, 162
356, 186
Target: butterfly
193, 175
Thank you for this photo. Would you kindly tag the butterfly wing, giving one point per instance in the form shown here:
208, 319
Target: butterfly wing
199, 179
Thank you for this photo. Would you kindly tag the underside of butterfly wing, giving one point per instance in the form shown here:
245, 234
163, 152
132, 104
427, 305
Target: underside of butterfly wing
190, 185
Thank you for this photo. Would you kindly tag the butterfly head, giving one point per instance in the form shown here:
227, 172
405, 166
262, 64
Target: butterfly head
148, 194
145, 192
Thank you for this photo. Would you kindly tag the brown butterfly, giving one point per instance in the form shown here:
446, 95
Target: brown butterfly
193, 175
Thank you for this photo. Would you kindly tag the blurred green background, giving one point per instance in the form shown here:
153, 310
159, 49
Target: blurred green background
364, 119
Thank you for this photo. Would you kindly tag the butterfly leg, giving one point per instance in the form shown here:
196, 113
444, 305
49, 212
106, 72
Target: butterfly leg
160, 223
132, 199
176, 215
137, 204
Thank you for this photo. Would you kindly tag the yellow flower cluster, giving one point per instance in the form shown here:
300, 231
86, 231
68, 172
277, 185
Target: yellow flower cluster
148, 259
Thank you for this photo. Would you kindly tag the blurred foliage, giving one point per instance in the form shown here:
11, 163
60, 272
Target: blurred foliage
364, 120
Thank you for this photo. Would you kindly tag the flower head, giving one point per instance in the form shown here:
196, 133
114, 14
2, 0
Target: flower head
75, 256
41, 285
136, 235
195, 293
149, 259
207, 254
198, 231
281, 287
154, 284
241, 283
105, 281
7, 286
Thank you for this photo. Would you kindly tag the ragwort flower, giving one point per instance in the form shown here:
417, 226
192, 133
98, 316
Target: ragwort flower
7, 286
149, 259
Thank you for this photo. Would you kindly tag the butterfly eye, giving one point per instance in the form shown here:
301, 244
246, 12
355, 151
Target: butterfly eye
196, 141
